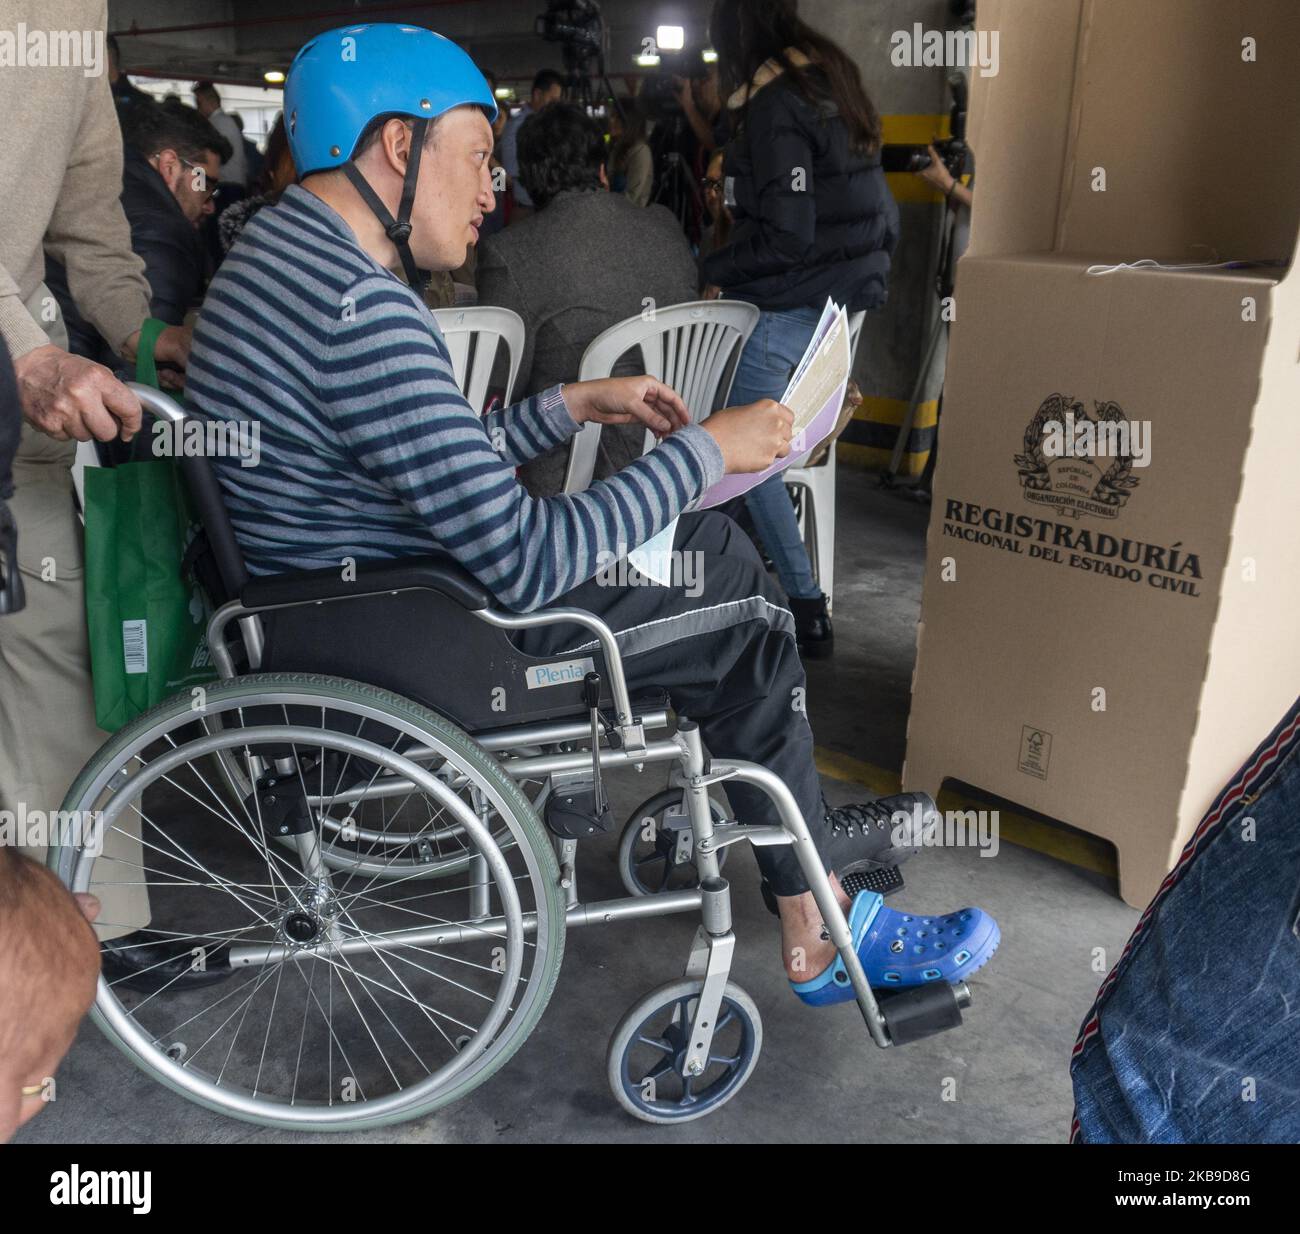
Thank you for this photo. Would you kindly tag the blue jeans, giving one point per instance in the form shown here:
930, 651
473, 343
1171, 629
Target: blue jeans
765, 368
1195, 1034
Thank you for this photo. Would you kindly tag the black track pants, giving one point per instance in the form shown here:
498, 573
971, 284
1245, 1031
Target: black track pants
722, 644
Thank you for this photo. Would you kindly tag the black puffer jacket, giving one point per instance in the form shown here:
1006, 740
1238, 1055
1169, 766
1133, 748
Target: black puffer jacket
174, 259
800, 238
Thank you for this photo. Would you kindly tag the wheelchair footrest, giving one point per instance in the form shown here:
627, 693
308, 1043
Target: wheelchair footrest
923, 1010
885, 880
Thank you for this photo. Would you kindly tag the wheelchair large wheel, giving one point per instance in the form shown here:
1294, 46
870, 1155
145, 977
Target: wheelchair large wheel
644, 1062
328, 999
649, 861
372, 836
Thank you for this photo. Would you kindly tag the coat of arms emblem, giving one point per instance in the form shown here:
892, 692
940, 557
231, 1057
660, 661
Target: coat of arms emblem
1076, 463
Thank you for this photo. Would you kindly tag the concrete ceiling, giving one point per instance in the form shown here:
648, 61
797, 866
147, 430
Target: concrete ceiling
238, 40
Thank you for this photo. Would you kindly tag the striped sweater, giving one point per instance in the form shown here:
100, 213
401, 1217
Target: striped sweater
367, 447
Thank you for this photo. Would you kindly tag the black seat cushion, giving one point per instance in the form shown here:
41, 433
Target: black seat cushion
437, 574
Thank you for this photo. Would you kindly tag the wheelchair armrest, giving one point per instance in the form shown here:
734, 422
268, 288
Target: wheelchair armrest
439, 574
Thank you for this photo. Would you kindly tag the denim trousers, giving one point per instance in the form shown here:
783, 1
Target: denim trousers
1195, 1034
766, 365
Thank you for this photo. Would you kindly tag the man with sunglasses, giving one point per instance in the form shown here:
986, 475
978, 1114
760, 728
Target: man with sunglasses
171, 169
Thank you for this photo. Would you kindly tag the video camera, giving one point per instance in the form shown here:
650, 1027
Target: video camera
578, 26
658, 95
952, 151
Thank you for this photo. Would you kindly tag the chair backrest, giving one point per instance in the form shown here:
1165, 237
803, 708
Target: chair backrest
205, 490
855, 332
691, 347
473, 336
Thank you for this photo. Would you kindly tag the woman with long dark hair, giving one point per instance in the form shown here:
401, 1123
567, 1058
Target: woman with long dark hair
813, 217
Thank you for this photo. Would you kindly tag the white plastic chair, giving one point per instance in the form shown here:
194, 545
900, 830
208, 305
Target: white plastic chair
691, 347
817, 496
85, 457
473, 336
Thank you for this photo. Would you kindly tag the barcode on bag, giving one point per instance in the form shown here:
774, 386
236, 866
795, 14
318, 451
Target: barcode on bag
135, 646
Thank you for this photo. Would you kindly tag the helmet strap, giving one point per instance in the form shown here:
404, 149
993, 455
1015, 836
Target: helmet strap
398, 229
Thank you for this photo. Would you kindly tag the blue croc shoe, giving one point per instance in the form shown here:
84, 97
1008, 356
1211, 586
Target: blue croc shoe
898, 950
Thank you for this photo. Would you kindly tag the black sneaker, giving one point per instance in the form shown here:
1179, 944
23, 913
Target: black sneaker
141, 961
870, 840
813, 631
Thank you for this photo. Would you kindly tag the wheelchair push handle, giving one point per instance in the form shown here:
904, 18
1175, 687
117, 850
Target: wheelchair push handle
161, 406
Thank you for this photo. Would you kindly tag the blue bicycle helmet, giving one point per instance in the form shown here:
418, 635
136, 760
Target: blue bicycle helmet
342, 79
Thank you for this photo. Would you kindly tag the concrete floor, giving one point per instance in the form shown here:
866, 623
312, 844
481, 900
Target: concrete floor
1002, 1077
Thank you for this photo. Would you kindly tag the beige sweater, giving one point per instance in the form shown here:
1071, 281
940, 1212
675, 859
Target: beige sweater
61, 174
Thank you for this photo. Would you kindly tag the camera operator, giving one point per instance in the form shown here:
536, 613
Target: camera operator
958, 198
673, 147
939, 177
700, 99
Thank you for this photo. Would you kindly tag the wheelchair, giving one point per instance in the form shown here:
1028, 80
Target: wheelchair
375, 888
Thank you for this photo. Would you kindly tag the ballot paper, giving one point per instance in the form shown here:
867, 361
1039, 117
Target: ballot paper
815, 395
654, 558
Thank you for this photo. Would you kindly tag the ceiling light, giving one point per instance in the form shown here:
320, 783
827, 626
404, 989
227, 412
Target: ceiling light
648, 62
670, 38
273, 76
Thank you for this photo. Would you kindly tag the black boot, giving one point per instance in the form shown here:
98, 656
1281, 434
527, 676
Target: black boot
812, 628
865, 843
144, 961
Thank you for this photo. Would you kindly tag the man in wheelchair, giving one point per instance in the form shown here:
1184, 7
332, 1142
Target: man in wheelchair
369, 451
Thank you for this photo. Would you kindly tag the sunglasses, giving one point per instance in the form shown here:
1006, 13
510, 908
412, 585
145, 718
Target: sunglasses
213, 183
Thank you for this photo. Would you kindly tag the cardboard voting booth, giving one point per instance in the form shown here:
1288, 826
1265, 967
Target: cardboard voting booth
1111, 610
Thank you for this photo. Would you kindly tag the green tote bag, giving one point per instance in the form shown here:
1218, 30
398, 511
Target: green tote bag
146, 616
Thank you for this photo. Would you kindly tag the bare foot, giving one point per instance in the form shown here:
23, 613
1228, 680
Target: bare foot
806, 947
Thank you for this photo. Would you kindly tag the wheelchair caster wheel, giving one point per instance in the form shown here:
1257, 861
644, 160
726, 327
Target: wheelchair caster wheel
645, 1063
653, 856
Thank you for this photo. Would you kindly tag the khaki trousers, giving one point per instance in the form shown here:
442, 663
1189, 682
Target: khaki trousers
47, 713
